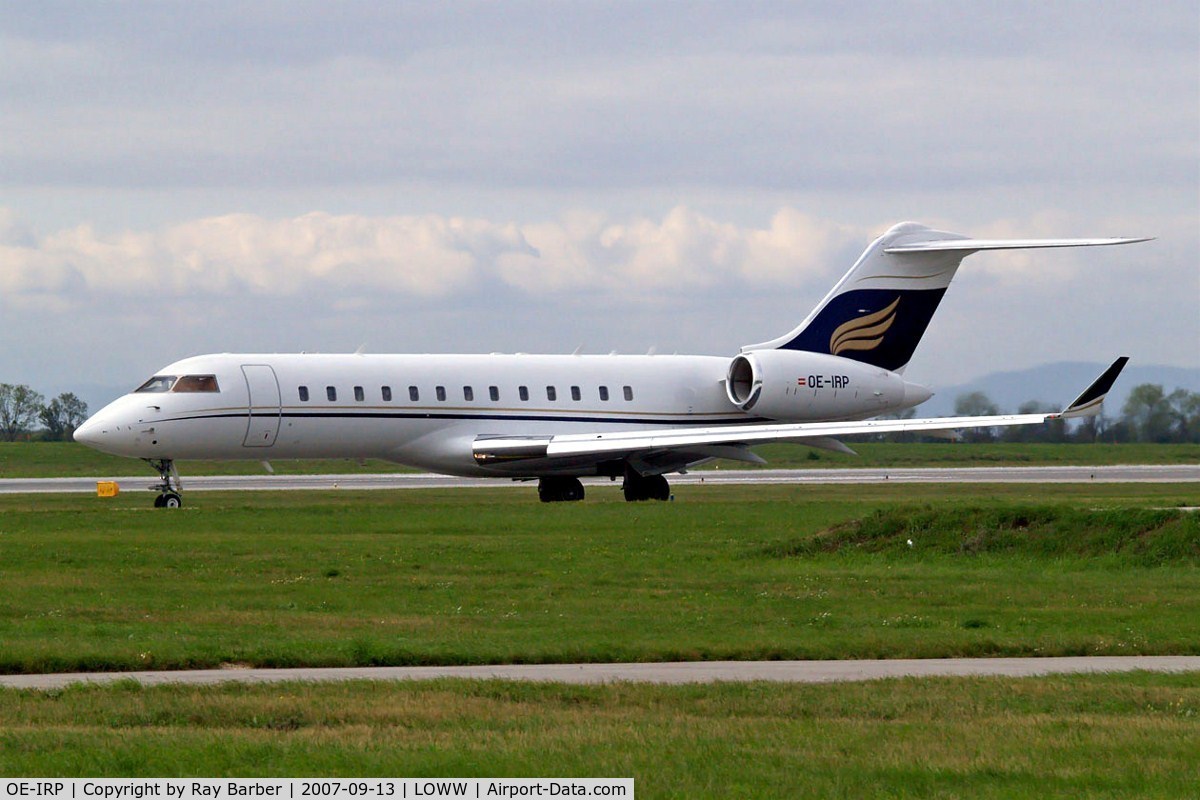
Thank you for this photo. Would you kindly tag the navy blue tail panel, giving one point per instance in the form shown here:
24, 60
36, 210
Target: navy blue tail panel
875, 326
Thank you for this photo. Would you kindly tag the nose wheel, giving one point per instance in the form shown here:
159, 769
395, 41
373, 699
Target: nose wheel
170, 489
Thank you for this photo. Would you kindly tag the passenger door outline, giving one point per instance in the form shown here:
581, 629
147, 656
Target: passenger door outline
264, 405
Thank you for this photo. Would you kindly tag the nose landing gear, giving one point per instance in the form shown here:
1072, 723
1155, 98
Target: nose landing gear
170, 490
168, 500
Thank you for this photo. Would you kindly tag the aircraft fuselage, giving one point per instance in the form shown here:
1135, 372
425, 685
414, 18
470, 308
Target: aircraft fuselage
428, 410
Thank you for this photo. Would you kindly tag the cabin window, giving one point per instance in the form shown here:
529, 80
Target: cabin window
386, 391
468, 394
575, 393
629, 393
441, 393
413, 394
494, 393
551, 394
331, 393
303, 394
604, 393
523, 392
359, 395
159, 383
196, 383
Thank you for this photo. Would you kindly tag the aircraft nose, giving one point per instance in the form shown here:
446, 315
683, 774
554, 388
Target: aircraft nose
103, 432
89, 433
116, 430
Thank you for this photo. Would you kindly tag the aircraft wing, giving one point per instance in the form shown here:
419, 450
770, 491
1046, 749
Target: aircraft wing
501, 449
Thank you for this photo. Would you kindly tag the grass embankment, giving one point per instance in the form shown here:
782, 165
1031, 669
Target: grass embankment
71, 460
1122, 536
285, 579
1083, 736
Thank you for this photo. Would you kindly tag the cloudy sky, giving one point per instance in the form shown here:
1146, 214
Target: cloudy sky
178, 178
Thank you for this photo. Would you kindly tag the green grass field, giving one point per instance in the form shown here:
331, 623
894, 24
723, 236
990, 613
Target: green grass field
67, 459
489, 575
483, 576
1086, 736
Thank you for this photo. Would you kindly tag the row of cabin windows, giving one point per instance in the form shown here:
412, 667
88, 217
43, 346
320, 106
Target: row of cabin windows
414, 394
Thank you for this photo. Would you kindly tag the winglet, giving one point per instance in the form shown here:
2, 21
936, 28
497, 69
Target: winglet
1088, 403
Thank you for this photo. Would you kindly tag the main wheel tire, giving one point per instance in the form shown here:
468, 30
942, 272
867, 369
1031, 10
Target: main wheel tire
559, 490
659, 488
649, 487
172, 500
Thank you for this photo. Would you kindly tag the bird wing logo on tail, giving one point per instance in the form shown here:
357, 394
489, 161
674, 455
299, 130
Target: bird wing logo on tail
863, 333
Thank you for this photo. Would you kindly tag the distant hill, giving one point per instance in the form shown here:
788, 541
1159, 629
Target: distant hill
1059, 384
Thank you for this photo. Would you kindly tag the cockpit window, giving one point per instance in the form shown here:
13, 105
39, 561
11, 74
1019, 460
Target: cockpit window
196, 383
159, 383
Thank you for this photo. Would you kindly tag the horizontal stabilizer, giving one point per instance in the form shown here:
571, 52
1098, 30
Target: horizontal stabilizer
975, 245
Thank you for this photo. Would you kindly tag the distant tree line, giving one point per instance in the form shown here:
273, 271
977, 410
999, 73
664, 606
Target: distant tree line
21, 409
1150, 414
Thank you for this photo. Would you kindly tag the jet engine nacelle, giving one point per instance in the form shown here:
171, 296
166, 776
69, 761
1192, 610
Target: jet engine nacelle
795, 385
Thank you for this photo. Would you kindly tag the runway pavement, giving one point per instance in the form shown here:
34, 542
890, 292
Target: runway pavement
200, 483
664, 673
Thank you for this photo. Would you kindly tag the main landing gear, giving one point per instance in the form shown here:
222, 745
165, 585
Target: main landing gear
559, 490
645, 487
170, 491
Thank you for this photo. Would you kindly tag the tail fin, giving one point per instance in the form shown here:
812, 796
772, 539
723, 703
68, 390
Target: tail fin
879, 310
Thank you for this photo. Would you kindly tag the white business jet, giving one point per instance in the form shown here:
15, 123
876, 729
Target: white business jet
556, 418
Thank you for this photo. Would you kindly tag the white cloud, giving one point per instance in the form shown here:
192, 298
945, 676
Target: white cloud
684, 249
424, 256
417, 256
685, 281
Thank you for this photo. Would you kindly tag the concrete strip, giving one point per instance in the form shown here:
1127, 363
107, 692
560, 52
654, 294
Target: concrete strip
657, 673
1106, 474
